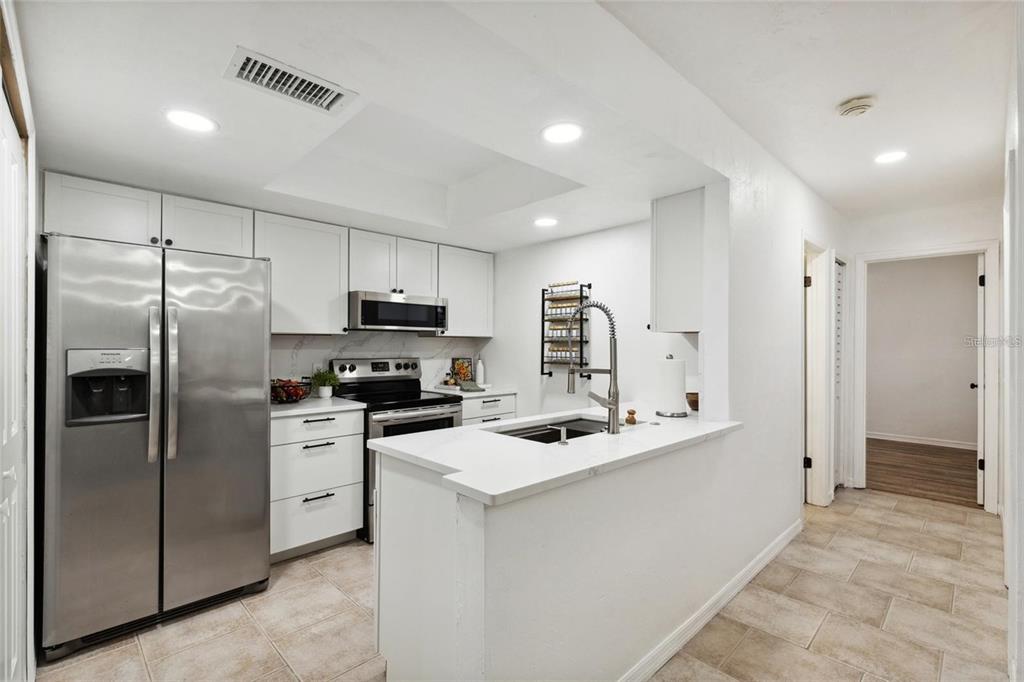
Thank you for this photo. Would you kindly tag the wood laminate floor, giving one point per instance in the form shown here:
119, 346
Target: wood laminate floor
929, 471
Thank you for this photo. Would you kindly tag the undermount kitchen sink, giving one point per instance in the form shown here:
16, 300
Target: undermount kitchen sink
551, 433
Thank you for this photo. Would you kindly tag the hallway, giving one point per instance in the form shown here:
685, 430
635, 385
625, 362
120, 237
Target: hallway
876, 586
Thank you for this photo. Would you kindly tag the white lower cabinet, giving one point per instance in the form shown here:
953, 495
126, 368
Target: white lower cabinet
319, 514
297, 468
488, 406
493, 418
316, 477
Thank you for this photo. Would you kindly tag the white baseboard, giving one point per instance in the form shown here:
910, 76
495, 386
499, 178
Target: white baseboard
920, 440
659, 655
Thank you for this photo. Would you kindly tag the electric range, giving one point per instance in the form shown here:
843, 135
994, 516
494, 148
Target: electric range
396, 404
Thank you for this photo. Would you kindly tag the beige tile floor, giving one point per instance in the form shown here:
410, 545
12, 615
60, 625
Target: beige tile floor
877, 587
314, 622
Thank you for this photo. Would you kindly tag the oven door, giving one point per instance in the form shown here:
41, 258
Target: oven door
397, 312
396, 423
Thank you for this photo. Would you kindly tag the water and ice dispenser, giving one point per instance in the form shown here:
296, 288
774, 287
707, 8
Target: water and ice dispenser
107, 385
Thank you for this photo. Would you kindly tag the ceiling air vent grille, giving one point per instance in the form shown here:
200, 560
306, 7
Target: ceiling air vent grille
277, 78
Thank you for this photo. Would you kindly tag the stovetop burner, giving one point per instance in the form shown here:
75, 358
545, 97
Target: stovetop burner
385, 384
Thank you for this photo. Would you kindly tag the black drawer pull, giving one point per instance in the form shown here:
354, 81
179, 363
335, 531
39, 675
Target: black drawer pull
492, 400
311, 421
318, 445
491, 419
318, 497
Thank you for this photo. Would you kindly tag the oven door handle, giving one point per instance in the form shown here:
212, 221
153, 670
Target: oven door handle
414, 415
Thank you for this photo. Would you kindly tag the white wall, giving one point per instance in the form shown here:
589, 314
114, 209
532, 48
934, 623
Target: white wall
919, 369
969, 221
617, 263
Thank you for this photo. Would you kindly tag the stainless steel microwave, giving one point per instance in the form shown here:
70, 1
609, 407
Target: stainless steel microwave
396, 312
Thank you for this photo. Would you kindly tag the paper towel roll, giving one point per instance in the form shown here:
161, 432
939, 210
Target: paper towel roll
669, 387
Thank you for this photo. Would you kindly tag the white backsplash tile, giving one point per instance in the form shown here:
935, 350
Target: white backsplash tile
296, 356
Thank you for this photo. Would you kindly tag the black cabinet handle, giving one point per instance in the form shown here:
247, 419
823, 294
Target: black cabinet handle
394, 291
154, 240
318, 497
168, 242
974, 385
492, 400
491, 419
318, 445
322, 419
401, 291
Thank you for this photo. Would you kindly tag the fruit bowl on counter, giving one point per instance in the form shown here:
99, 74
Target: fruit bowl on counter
289, 390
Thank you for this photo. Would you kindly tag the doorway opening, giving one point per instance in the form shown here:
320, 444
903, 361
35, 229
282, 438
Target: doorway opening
925, 369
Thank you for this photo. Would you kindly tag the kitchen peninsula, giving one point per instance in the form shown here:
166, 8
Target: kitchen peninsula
501, 557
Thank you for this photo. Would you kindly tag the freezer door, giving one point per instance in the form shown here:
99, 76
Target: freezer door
217, 445
101, 469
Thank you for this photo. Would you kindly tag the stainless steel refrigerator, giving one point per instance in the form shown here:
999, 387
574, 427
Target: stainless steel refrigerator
155, 438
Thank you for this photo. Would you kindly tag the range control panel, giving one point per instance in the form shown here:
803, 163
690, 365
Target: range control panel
368, 369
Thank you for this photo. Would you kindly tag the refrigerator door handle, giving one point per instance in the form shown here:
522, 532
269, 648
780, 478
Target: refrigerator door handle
172, 383
153, 451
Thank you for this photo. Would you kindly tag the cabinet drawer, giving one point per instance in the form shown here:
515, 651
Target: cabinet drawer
297, 468
492, 418
485, 407
315, 426
307, 518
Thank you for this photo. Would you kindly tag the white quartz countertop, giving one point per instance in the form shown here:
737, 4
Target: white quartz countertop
469, 395
314, 406
496, 469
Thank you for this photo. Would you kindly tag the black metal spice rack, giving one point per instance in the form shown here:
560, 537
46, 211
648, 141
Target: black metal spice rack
551, 339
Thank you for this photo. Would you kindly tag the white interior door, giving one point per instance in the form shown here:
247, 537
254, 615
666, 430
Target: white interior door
13, 398
979, 381
820, 314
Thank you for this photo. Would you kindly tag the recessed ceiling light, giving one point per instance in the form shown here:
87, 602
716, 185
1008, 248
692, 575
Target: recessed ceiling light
189, 120
891, 157
562, 133
545, 222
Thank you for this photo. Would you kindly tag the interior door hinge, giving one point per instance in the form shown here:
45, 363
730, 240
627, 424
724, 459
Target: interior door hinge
981, 280
807, 462
807, 281
981, 465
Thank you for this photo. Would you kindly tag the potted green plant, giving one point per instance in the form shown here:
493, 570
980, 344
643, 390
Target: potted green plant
324, 382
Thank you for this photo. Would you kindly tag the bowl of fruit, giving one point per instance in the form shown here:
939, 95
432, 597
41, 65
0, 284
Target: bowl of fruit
289, 390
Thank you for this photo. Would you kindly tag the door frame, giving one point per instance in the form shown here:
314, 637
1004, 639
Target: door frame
989, 386
819, 371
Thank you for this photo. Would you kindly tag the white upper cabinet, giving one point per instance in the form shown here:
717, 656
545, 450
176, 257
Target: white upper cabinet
373, 262
417, 267
308, 274
100, 210
677, 255
466, 279
205, 226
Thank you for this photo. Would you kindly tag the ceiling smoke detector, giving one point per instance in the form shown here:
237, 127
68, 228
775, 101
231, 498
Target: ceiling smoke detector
858, 106
270, 75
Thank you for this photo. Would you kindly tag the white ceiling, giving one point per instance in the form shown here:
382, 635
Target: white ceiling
939, 70
443, 142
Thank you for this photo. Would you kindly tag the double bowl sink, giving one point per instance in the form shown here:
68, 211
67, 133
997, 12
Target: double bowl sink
552, 432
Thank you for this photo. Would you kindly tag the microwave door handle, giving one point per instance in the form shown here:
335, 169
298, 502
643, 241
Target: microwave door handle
153, 450
172, 383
